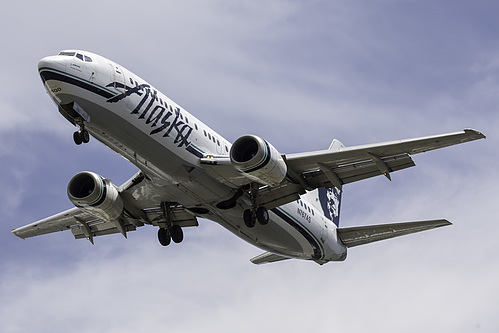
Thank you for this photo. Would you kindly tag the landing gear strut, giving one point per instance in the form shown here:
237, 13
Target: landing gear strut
169, 231
256, 213
81, 136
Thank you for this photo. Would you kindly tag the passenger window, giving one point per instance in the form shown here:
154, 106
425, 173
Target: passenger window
79, 56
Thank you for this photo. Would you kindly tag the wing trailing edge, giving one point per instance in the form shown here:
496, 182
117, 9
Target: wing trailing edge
364, 235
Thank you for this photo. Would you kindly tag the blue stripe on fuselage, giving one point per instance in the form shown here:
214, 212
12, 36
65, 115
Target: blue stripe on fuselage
52, 74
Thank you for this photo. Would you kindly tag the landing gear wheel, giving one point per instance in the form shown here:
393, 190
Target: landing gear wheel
177, 234
85, 137
164, 237
77, 137
249, 218
262, 215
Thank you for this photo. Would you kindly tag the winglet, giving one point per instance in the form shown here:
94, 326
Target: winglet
475, 133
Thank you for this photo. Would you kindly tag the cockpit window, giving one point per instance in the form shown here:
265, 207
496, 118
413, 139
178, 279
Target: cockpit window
70, 54
80, 56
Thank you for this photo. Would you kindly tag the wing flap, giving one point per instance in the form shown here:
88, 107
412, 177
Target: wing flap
99, 228
363, 235
350, 173
180, 216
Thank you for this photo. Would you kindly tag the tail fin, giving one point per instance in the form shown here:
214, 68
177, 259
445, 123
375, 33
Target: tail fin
330, 200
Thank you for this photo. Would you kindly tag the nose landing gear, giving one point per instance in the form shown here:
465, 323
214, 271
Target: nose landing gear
81, 136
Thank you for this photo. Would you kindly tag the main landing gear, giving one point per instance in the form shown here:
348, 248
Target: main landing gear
81, 136
255, 213
175, 233
259, 214
168, 231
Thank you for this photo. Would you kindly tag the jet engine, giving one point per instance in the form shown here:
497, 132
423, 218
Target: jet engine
258, 160
95, 195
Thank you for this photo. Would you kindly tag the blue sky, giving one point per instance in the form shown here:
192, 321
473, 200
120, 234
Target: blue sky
298, 73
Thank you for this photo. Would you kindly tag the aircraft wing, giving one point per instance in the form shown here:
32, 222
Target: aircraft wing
336, 166
364, 235
343, 165
139, 210
59, 222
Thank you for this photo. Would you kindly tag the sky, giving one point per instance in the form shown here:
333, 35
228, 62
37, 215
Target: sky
299, 74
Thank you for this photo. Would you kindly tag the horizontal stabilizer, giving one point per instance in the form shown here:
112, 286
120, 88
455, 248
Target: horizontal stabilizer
363, 235
267, 257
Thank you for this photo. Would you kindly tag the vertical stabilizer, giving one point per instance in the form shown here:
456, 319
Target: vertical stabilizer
330, 200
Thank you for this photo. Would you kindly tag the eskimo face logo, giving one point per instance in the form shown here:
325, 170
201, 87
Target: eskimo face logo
330, 199
161, 117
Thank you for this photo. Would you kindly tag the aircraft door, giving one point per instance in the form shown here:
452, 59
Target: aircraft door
117, 77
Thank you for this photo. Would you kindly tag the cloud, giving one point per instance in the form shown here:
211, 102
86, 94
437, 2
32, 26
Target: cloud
298, 74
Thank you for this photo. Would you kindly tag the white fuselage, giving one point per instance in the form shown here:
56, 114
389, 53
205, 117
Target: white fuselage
166, 142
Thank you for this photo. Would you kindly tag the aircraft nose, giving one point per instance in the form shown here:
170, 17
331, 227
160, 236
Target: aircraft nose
52, 62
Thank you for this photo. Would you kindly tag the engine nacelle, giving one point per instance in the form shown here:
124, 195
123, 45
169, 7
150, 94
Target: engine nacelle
258, 160
95, 195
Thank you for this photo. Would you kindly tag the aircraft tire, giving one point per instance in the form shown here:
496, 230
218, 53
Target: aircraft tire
77, 138
262, 215
164, 237
249, 218
85, 137
177, 234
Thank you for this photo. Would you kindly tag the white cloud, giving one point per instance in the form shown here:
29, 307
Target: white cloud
298, 74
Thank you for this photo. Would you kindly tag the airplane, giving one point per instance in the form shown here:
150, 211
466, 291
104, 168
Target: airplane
288, 205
